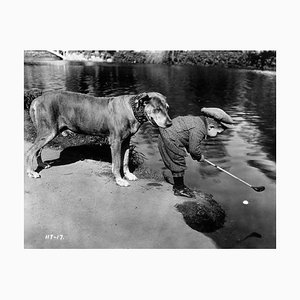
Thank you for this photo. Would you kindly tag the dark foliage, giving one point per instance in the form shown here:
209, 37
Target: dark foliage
261, 60
29, 96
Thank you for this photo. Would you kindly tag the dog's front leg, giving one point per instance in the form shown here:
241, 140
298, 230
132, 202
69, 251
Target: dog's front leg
116, 162
125, 153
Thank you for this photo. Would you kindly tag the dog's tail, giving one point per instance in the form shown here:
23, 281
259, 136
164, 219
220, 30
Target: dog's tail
32, 113
29, 96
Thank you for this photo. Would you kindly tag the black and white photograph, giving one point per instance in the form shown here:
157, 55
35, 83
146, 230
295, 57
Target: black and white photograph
150, 149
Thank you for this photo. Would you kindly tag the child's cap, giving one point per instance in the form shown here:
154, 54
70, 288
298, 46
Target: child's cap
219, 115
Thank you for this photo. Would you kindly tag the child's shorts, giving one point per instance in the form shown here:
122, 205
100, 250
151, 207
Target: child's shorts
172, 156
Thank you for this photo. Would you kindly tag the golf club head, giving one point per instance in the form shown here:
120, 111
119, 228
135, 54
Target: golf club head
258, 188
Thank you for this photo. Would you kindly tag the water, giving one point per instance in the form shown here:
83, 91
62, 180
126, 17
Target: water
248, 151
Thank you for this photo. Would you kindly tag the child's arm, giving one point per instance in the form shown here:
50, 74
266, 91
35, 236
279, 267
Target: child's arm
195, 138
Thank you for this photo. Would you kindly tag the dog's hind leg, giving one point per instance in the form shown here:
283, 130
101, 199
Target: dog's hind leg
40, 162
125, 155
35, 151
116, 162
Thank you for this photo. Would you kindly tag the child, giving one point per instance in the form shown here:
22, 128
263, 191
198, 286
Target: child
185, 135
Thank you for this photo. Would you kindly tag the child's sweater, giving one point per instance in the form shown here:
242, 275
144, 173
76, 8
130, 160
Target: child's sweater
186, 133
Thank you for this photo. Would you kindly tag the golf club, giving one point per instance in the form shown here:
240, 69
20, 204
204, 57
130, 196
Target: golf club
255, 188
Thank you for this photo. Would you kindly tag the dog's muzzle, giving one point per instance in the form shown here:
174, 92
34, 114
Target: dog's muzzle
151, 120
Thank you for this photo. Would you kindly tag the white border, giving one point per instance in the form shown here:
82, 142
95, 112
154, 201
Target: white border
150, 274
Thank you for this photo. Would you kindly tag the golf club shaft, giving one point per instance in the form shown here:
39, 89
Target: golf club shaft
219, 168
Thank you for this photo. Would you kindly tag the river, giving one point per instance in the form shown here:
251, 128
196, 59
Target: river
248, 150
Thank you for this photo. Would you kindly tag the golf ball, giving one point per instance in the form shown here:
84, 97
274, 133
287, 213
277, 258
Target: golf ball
245, 202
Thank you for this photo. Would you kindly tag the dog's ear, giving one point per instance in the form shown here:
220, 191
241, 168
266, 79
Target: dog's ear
141, 100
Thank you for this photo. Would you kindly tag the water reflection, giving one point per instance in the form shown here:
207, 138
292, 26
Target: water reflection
45, 76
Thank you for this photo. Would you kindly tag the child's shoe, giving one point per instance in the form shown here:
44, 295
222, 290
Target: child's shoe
183, 192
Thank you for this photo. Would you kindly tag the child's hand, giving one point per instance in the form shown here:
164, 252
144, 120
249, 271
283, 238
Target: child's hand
202, 158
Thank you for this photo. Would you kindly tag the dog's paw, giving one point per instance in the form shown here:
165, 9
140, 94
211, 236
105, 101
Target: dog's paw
130, 176
122, 182
33, 174
44, 165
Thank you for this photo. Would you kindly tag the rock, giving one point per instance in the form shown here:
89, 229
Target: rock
203, 214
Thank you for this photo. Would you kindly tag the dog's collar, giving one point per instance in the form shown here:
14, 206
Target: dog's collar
138, 111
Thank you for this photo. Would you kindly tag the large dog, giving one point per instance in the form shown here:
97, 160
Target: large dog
116, 117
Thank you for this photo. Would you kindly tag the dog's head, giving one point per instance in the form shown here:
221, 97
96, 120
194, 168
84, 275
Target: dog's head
155, 108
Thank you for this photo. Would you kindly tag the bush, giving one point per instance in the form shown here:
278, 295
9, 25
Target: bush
29, 96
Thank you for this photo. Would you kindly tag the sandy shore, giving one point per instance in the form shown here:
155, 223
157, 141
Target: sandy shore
80, 205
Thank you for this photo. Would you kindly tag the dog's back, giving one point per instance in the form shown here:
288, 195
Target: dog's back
77, 112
